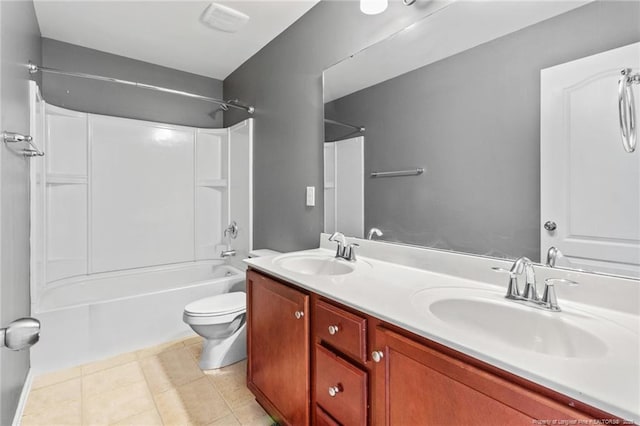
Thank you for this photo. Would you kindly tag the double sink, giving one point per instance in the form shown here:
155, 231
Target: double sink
483, 313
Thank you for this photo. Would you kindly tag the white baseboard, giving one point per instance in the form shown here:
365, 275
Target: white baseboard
17, 419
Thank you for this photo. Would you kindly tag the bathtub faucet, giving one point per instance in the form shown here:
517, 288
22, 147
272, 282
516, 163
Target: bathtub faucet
228, 253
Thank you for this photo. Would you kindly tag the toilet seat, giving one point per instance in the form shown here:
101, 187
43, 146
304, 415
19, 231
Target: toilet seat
216, 309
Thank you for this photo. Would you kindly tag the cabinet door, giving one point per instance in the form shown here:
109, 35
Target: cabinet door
278, 348
415, 384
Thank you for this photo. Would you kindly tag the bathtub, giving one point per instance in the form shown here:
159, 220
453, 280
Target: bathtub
92, 317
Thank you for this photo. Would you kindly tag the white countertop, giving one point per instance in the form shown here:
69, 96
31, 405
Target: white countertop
610, 382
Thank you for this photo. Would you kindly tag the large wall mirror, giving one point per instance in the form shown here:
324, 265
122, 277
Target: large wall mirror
497, 128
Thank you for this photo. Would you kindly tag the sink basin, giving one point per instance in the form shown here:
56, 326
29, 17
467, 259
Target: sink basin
487, 315
315, 265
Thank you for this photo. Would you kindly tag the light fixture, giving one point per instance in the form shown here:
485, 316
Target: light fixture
224, 18
373, 7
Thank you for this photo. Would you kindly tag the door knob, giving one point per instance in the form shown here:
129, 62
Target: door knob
550, 225
20, 334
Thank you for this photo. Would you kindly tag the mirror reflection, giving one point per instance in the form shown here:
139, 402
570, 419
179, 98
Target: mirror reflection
509, 138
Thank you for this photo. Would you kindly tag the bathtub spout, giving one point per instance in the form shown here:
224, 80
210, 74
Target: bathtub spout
227, 253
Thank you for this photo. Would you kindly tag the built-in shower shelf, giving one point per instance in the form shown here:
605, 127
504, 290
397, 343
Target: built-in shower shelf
329, 186
213, 183
65, 179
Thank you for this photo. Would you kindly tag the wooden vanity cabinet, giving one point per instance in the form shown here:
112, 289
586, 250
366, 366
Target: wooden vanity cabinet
318, 367
417, 384
278, 349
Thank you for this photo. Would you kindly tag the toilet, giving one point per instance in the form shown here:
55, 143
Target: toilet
221, 321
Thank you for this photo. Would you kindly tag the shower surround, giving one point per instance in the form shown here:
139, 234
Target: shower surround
128, 216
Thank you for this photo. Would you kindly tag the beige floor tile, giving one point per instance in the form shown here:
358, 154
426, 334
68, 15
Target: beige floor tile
238, 367
197, 403
170, 369
195, 350
108, 363
55, 377
148, 418
252, 414
232, 386
67, 413
164, 347
229, 420
46, 398
117, 404
192, 340
112, 378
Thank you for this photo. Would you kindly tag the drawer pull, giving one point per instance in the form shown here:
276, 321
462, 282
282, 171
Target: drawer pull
299, 314
333, 329
334, 390
377, 356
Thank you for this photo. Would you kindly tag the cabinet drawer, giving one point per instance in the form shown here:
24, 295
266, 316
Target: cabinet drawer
341, 388
341, 329
323, 419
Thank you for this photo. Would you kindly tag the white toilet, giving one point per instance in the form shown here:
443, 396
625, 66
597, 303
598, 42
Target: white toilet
221, 321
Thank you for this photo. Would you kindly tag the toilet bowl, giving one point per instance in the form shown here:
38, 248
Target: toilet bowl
221, 321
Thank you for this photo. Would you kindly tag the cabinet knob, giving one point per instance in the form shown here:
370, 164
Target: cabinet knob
334, 390
299, 314
333, 329
377, 356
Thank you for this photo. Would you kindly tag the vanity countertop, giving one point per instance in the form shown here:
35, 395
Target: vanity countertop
607, 378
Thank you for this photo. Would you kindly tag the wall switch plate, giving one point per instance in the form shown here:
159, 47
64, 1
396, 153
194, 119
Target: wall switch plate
311, 196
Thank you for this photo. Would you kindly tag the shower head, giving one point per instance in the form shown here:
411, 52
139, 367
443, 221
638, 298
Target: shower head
215, 112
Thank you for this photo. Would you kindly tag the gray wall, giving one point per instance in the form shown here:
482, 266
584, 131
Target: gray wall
284, 82
124, 101
473, 120
20, 42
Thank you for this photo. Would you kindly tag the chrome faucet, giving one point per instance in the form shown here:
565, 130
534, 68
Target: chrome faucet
552, 256
530, 295
523, 264
374, 231
344, 250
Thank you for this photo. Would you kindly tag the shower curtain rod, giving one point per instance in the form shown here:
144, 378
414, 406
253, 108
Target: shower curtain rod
33, 68
340, 123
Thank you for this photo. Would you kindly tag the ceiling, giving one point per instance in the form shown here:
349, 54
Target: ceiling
168, 33
431, 39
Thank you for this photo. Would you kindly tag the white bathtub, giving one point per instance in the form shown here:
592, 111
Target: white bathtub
93, 317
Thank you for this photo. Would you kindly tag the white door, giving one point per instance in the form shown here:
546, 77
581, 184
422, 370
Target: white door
590, 186
344, 187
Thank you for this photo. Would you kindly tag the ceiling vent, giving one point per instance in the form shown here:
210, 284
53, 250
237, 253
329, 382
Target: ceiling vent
223, 18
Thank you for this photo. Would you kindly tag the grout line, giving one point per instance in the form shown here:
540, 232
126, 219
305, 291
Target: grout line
153, 399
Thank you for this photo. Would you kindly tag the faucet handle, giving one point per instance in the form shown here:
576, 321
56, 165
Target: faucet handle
350, 253
504, 271
338, 237
549, 298
512, 290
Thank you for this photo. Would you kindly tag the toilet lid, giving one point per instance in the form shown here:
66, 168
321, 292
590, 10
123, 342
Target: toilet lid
217, 305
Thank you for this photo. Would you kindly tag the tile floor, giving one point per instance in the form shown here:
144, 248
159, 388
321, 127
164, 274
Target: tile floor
161, 385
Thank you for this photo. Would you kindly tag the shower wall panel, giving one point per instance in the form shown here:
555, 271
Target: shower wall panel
119, 194
212, 207
66, 193
142, 194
